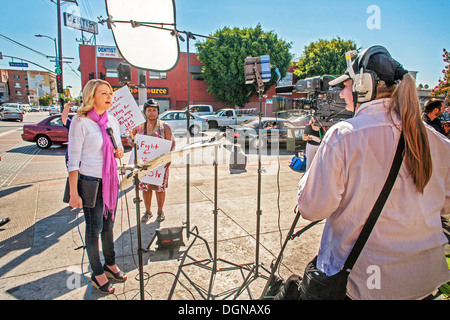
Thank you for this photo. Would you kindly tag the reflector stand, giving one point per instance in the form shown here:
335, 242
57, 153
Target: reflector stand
212, 263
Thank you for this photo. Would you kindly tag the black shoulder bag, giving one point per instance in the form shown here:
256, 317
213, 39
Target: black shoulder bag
87, 189
316, 285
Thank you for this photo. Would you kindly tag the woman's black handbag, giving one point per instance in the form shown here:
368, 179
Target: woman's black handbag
87, 189
315, 284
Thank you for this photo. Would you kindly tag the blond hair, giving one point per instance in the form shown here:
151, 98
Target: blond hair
405, 103
89, 91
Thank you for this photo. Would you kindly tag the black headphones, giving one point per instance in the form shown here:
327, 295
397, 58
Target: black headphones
365, 81
371, 66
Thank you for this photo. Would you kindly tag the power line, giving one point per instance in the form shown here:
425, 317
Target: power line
29, 62
22, 45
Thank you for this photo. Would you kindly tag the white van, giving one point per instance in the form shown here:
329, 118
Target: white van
201, 109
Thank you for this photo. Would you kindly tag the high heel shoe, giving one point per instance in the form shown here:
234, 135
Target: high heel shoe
107, 288
118, 276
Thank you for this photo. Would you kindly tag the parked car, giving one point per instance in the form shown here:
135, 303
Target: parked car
201, 109
273, 130
54, 110
47, 132
177, 120
11, 113
26, 107
225, 117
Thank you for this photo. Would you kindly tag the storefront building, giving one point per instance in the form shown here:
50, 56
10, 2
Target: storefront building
168, 88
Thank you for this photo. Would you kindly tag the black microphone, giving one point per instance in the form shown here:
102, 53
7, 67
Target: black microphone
110, 131
284, 89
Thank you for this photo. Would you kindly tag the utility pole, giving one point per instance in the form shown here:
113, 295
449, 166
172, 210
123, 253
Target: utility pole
59, 58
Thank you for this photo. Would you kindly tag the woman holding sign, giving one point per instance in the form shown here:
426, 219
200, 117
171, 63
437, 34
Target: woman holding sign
156, 128
92, 168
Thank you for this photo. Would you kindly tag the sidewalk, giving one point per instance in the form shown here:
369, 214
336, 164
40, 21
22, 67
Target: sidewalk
38, 256
38, 259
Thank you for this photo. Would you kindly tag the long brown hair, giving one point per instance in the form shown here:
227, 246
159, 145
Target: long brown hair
405, 103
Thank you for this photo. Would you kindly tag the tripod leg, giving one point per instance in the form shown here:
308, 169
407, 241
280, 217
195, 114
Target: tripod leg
280, 255
139, 235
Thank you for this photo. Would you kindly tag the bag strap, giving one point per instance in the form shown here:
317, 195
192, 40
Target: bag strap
377, 208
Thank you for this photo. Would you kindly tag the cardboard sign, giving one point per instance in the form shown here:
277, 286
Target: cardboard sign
150, 148
126, 110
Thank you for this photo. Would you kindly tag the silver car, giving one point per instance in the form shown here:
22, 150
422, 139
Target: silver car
177, 120
10, 113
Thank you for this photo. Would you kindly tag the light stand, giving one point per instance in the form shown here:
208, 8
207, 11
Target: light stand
189, 36
137, 202
254, 69
135, 169
171, 27
210, 264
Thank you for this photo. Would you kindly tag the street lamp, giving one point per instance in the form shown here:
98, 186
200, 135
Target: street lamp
54, 40
58, 67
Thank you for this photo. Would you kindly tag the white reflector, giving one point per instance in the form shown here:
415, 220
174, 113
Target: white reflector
145, 47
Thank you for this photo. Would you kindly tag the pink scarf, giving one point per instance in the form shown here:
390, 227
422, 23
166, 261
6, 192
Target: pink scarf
110, 177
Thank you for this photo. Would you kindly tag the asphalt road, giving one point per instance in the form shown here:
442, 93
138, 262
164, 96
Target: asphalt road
29, 117
34, 117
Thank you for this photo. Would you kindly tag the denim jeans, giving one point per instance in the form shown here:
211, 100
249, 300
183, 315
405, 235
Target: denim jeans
97, 225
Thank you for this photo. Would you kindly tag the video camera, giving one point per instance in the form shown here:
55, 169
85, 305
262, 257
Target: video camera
324, 100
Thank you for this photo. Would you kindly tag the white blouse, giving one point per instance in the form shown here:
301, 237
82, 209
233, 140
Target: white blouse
85, 145
404, 256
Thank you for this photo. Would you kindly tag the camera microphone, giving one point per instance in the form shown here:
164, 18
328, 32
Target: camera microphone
110, 131
284, 89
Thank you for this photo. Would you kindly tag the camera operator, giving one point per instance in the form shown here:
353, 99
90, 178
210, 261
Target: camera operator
404, 256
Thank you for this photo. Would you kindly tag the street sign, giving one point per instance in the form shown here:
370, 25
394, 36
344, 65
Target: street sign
57, 69
79, 23
18, 64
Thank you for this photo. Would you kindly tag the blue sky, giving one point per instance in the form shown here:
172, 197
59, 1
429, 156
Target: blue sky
415, 32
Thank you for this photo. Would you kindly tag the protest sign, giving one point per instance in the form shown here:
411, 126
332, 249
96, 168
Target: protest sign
150, 148
126, 110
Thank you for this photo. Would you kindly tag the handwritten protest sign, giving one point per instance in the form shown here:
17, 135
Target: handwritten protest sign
150, 148
126, 110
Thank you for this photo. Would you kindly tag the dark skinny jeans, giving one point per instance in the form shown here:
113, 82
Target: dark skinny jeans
97, 225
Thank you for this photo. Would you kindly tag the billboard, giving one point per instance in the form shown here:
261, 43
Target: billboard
39, 85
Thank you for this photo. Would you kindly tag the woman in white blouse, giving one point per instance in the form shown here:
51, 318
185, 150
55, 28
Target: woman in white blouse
404, 256
93, 157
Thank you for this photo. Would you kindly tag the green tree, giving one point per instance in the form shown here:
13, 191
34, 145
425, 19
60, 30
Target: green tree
443, 88
324, 57
46, 100
223, 61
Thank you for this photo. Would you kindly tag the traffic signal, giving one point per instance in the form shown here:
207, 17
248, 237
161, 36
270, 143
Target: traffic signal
59, 84
124, 71
91, 75
102, 76
142, 78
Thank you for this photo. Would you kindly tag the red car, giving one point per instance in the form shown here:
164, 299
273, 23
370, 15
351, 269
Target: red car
47, 132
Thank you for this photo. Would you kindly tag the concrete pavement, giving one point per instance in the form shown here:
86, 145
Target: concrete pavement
38, 256
39, 259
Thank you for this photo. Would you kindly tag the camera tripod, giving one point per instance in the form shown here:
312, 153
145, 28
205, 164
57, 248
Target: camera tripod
289, 236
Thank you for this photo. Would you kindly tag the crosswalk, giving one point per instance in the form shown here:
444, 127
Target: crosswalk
14, 160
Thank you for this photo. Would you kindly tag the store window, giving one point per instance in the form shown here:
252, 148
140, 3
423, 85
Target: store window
112, 73
157, 75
